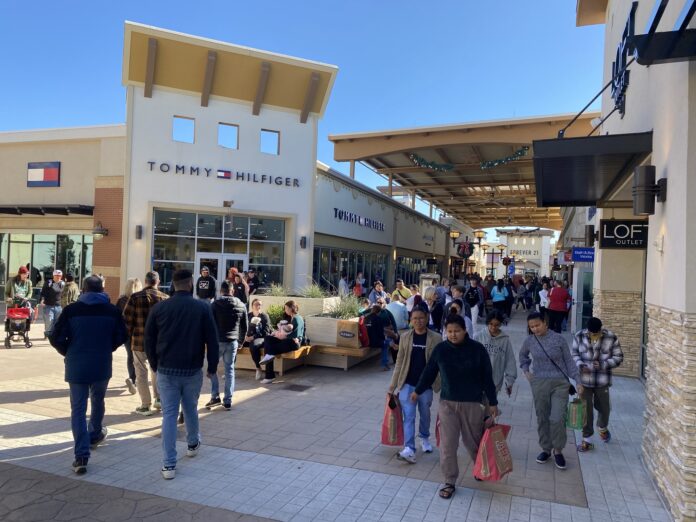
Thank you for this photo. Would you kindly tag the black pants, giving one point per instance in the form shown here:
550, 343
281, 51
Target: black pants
544, 313
500, 306
273, 346
255, 350
129, 361
556, 320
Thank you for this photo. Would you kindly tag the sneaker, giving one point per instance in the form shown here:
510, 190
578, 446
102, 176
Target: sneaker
180, 419
267, 381
215, 401
79, 465
543, 457
168, 472
131, 386
559, 460
157, 405
407, 455
227, 405
605, 435
192, 451
259, 375
265, 359
426, 446
101, 438
585, 446
145, 411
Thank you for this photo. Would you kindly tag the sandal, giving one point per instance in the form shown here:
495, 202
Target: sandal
447, 491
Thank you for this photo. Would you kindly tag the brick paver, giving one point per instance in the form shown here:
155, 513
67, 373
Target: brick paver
315, 454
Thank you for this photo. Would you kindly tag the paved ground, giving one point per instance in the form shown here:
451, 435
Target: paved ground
307, 448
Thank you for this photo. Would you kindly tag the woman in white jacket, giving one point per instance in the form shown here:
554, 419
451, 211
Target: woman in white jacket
500, 351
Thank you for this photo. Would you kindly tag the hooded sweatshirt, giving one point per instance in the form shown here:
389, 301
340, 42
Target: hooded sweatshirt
70, 294
230, 318
502, 357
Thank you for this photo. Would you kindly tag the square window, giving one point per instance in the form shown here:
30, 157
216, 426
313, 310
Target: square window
228, 135
183, 129
270, 142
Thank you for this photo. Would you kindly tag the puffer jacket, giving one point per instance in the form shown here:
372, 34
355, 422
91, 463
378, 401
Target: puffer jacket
230, 318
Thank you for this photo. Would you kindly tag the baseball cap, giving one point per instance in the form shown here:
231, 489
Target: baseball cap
23, 270
57, 272
205, 268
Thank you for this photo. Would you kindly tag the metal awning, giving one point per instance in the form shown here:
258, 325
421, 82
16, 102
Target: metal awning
589, 171
42, 210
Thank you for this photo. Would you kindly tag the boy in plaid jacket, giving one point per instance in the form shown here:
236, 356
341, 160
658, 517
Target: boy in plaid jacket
596, 352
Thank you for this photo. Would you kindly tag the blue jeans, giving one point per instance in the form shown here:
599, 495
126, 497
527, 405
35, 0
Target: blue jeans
228, 352
83, 433
425, 400
50, 315
385, 352
175, 390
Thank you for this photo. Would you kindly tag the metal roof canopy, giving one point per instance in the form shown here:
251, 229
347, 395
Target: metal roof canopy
42, 210
480, 197
589, 171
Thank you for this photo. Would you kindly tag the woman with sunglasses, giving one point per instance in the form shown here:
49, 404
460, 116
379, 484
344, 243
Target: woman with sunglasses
259, 327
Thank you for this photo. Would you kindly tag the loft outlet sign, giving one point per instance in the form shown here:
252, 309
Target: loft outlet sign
623, 233
209, 172
620, 72
352, 217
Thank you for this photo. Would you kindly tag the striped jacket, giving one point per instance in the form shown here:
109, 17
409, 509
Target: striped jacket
135, 314
606, 351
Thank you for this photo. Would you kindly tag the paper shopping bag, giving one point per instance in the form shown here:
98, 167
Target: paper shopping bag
576, 414
493, 460
392, 424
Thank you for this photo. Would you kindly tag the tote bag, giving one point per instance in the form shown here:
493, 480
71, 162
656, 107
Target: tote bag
392, 424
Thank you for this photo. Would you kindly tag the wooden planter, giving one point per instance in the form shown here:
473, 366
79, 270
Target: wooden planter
308, 305
332, 332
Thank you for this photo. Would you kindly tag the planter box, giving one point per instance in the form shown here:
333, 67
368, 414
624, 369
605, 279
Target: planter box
308, 305
325, 330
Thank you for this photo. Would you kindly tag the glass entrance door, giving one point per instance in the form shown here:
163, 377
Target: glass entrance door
238, 261
214, 264
582, 299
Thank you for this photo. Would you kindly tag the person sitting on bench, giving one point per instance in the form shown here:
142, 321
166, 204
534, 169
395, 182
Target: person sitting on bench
273, 346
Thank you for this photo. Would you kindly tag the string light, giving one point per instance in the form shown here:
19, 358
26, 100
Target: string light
519, 153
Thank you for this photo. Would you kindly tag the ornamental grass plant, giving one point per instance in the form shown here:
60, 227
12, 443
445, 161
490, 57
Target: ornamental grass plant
347, 308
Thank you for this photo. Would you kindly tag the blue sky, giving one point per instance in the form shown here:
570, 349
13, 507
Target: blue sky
401, 64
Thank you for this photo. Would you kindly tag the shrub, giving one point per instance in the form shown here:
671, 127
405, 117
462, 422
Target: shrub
347, 308
313, 290
276, 290
275, 314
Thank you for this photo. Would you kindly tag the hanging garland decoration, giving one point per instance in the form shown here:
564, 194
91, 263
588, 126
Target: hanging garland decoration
431, 165
519, 153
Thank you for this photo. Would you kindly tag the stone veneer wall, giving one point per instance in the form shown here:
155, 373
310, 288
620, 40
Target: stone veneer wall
669, 439
621, 313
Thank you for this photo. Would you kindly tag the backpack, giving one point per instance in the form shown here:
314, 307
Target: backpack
363, 336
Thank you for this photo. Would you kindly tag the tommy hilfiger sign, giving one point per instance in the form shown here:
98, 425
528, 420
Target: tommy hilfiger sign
248, 177
352, 217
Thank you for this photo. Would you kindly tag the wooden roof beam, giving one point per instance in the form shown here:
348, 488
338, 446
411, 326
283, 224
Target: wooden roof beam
310, 97
261, 87
208, 78
150, 66
476, 167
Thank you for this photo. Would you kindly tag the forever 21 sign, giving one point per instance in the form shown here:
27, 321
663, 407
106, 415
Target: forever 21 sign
623, 233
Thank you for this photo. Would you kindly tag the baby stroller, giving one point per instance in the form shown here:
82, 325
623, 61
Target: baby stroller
17, 323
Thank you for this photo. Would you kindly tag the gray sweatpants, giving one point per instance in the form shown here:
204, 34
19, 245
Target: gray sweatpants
458, 418
551, 405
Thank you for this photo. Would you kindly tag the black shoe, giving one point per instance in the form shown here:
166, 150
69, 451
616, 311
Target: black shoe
559, 460
214, 401
227, 405
180, 420
543, 457
101, 438
79, 466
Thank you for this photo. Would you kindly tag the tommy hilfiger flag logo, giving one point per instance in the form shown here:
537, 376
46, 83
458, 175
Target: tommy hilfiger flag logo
225, 174
45, 174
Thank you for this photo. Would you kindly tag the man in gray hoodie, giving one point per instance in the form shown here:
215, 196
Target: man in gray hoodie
500, 351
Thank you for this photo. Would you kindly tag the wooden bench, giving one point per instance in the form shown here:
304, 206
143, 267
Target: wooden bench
282, 363
340, 357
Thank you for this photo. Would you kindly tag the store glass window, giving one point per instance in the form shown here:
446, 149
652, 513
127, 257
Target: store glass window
20, 252
69, 253
209, 225
266, 253
4, 244
236, 227
228, 135
270, 142
236, 247
315, 265
183, 129
209, 245
269, 275
175, 223
44, 256
166, 270
174, 248
87, 246
264, 229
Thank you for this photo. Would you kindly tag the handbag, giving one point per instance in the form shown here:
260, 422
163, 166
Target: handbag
392, 424
571, 388
493, 460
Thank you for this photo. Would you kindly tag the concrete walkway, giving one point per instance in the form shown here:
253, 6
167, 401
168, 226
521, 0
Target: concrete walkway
307, 448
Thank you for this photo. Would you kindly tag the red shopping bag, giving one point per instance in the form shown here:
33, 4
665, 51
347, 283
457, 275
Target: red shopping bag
392, 424
493, 460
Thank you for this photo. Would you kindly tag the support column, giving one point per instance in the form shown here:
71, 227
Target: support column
352, 169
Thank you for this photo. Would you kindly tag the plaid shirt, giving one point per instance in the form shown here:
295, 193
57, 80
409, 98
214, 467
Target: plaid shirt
136, 311
606, 351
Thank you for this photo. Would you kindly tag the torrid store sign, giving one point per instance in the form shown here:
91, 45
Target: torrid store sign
623, 233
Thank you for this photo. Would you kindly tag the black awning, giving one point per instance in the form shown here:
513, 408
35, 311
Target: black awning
669, 47
42, 210
583, 172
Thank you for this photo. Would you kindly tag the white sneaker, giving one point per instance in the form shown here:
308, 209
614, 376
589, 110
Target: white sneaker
131, 386
192, 451
266, 358
259, 375
408, 455
426, 446
266, 381
168, 472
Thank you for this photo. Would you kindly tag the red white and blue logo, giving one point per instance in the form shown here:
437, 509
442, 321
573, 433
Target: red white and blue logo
224, 174
46, 174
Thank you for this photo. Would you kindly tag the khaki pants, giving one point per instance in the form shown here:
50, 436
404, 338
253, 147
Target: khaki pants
551, 405
142, 368
465, 418
596, 399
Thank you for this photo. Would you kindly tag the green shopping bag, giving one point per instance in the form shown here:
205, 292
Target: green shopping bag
576, 414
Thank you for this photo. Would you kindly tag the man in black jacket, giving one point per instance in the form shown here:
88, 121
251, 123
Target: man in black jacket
231, 319
177, 332
206, 285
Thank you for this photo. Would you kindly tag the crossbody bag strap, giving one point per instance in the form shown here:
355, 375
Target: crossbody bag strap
550, 359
